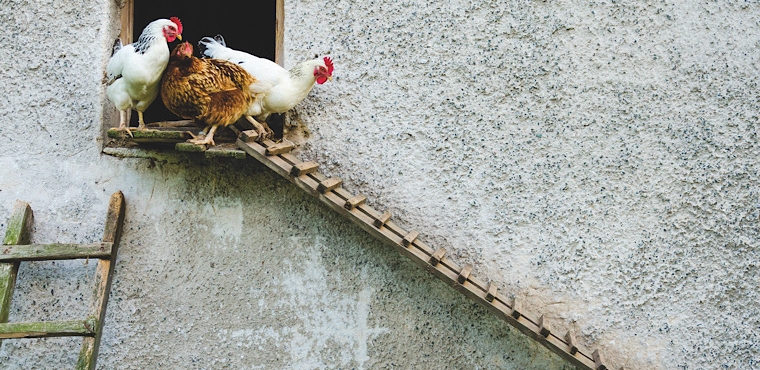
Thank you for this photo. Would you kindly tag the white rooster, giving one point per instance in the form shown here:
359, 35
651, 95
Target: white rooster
134, 71
288, 88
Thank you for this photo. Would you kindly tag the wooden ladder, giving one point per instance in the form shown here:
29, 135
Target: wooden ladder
16, 248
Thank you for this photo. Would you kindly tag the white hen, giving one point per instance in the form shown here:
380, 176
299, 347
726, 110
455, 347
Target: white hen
288, 88
134, 71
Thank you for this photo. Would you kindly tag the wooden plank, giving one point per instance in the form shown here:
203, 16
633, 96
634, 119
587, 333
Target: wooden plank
279, 148
189, 147
48, 329
329, 184
464, 274
491, 291
151, 135
304, 168
382, 219
437, 256
226, 150
410, 238
40, 252
598, 360
354, 202
114, 223
18, 232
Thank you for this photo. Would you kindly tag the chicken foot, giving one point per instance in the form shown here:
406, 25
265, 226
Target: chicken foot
261, 128
207, 137
123, 123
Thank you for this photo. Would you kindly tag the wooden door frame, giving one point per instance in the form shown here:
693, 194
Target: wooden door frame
127, 26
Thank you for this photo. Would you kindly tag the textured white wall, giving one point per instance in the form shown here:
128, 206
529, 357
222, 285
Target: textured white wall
597, 159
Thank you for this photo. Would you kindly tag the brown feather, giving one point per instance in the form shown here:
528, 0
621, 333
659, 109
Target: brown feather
211, 91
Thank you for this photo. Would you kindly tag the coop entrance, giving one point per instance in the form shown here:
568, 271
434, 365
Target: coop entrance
255, 31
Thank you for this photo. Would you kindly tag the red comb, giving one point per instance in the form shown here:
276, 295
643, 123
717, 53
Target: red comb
329, 64
178, 23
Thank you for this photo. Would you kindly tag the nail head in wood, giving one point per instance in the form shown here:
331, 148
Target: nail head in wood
249, 136
329, 185
304, 168
437, 256
354, 202
410, 238
542, 329
382, 219
280, 148
598, 360
515, 310
464, 274
571, 343
491, 291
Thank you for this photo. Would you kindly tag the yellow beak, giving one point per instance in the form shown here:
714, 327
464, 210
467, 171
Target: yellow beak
179, 37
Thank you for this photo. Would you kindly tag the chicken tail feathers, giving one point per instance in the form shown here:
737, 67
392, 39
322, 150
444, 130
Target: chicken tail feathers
116, 46
209, 47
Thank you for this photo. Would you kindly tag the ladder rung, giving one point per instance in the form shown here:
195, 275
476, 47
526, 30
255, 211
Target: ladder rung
46, 329
45, 252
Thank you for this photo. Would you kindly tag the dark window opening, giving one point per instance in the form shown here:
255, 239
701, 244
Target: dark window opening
254, 33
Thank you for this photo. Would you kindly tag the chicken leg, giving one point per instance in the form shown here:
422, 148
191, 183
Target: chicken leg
261, 128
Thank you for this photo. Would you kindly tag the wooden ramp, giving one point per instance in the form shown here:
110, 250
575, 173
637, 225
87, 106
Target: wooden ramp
328, 190
353, 206
16, 248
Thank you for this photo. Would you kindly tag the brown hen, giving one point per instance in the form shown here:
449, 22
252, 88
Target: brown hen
212, 91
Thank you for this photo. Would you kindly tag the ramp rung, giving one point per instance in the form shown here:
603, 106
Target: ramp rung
280, 148
542, 329
329, 185
491, 291
437, 256
379, 221
304, 168
464, 274
48, 329
354, 202
410, 238
42, 252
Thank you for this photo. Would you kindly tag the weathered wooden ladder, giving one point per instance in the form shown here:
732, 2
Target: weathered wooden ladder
277, 157
16, 248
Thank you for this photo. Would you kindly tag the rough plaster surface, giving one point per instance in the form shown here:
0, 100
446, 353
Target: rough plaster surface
598, 159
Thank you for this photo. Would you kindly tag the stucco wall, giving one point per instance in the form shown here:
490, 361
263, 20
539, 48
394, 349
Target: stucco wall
597, 159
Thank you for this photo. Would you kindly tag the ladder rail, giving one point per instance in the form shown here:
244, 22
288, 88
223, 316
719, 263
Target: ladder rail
17, 248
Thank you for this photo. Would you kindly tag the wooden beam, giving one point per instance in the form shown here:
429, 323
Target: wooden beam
40, 252
114, 223
279, 33
48, 329
18, 232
